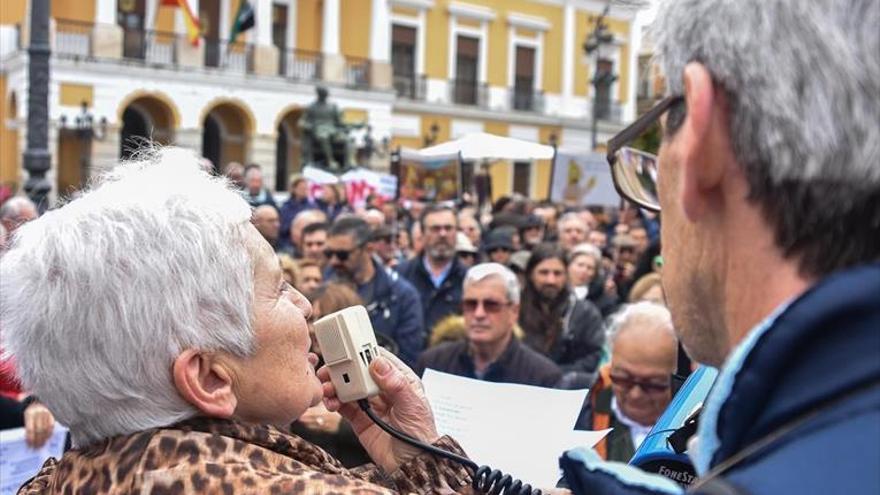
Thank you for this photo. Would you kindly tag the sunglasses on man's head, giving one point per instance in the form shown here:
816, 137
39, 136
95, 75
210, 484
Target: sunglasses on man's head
489, 305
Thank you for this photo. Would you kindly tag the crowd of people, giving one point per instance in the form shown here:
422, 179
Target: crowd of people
518, 291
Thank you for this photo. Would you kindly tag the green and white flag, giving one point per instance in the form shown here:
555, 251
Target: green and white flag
244, 20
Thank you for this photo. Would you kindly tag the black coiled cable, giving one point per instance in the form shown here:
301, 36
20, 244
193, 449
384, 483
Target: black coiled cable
486, 480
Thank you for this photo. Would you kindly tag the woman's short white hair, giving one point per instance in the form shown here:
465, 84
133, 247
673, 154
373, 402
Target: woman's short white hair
640, 313
482, 271
98, 298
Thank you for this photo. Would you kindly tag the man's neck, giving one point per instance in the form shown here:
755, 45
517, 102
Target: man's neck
437, 265
486, 353
753, 285
366, 273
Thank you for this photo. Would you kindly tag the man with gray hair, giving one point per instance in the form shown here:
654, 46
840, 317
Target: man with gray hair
491, 351
573, 230
633, 390
770, 195
16, 211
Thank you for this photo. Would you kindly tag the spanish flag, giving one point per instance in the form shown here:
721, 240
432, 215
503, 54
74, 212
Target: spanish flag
193, 28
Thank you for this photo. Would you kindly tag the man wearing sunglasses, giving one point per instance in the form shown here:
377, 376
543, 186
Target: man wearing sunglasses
769, 184
633, 389
392, 303
491, 351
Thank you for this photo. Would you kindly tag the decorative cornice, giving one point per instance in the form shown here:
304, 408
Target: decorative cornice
412, 4
528, 22
470, 11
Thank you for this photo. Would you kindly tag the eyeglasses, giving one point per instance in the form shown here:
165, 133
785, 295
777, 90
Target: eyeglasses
495, 249
340, 254
436, 229
489, 305
628, 383
635, 172
466, 254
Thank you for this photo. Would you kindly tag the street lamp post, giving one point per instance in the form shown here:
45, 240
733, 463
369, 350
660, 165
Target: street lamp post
602, 77
86, 131
36, 158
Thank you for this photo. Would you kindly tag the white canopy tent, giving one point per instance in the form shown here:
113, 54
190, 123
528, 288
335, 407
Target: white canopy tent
485, 146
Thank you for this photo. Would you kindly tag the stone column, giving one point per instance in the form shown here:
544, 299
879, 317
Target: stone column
189, 138
265, 52
380, 46
333, 69
107, 34
262, 152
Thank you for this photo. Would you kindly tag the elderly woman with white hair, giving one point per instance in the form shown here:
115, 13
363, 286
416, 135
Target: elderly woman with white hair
153, 320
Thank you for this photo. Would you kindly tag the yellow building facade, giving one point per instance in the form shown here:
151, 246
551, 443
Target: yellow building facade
418, 71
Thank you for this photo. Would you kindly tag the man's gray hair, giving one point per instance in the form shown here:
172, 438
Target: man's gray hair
640, 313
14, 206
99, 297
483, 271
803, 80
574, 218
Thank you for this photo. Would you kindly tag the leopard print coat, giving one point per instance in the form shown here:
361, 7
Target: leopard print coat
219, 456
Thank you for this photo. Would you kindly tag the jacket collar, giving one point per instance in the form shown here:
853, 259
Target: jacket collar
803, 354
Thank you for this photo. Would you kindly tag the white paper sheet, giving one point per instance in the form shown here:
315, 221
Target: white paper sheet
520, 429
19, 463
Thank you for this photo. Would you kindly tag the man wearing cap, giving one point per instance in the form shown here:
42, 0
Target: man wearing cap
498, 246
491, 351
465, 250
436, 272
531, 231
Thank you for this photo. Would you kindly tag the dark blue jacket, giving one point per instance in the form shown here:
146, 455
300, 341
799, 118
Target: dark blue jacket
436, 302
395, 311
289, 210
820, 353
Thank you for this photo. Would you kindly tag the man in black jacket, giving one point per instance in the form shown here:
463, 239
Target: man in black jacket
556, 323
436, 273
491, 352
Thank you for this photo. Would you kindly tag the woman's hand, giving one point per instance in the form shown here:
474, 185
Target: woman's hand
38, 425
401, 403
318, 418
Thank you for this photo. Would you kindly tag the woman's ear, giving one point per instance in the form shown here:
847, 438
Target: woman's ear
205, 383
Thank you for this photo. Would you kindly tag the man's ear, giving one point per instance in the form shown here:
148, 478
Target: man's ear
205, 383
702, 162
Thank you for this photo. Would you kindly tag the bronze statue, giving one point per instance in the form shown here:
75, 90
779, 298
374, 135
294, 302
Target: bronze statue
325, 140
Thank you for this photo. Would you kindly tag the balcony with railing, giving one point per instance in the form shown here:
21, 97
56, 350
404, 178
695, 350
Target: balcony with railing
73, 39
152, 47
115, 44
465, 92
357, 72
300, 65
233, 56
611, 111
527, 100
411, 87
